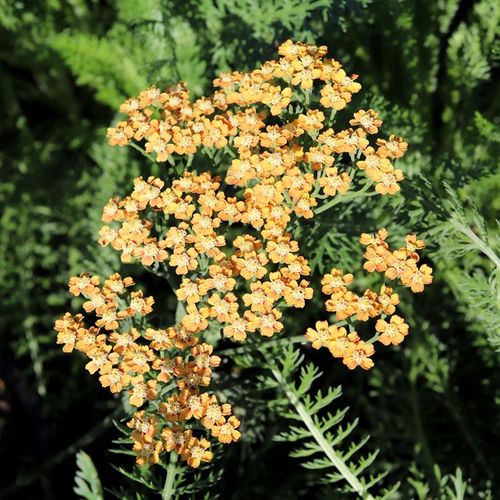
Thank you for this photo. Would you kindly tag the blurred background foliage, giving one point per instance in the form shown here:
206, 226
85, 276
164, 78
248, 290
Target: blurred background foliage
430, 68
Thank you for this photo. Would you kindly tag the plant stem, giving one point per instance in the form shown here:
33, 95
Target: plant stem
168, 488
299, 339
147, 155
347, 197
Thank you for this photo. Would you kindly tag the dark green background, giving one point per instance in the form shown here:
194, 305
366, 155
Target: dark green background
429, 67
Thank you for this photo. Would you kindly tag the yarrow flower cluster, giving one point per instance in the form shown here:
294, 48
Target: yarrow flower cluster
262, 153
147, 365
400, 264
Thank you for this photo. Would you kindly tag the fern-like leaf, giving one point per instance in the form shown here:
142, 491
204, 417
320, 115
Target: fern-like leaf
87, 482
319, 437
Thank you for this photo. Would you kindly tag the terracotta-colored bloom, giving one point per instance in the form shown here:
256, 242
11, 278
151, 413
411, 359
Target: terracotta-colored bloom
114, 378
83, 284
296, 294
392, 332
226, 432
376, 259
147, 453
334, 182
320, 335
144, 427
368, 120
215, 413
335, 281
175, 438
343, 304
359, 355
142, 391
268, 323
196, 451
203, 358
387, 300
238, 328
395, 147
224, 308
416, 277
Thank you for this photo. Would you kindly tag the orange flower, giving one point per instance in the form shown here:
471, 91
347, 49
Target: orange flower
83, 284
341, 342
116, 285
387, 182
368, 120
258, 299
141, 391
226, 432
393, 332
343, 304
152, 251
359, 355
416, 277
175, 438
144, 426
196, 451
376, 259
184, 261
336, 281
397, 263
378, 239
395, 147
367, 306
203, 359
238, 328
282, 250
166, 368
140, 305
333, 96
296, 294
138, 359
195, 320
158, 339
412, 244
67, 327
224, 308
277, 98
99, 359
114, 378
221, 277
319, 336
174, 408
267, 323
124, 341
388, 300
191, 291
251, 265
215, 413
335, 182
147, 453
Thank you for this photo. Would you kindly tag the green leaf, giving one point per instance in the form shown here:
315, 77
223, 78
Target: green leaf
87, 482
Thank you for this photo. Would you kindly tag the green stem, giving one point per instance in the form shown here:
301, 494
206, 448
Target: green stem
142, 151
299, 339
168, 489
347, 197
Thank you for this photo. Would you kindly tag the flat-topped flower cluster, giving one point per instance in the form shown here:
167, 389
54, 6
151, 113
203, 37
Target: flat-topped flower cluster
400, 265
262, 153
